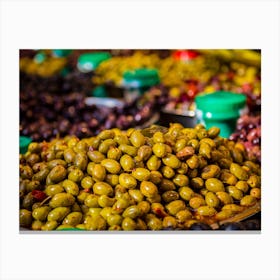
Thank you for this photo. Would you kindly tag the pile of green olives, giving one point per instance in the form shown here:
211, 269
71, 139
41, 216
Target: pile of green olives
155, 179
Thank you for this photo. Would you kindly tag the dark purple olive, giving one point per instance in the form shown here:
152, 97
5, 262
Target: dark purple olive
232, 226
253, 224
200, 226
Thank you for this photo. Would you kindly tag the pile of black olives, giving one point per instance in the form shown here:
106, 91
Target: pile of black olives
152, 179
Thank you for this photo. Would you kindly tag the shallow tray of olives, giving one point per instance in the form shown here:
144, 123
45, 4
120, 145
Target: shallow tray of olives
157, 178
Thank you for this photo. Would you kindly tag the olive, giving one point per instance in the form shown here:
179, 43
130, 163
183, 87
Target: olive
234, 192
144, 152
233, 207
181, 180
121, 139
144, 207
196, 201
214, 185
41, 175
167, 172
206, 210
224, 197
224, 214
31, 159
180, 144
105, 201
227, 178
128, 224
51, 190
140, 224
114, 153
239, 172
137, 139
57, 174
136, 195
36, 225
242, 186
175, 206
112, 179
148, 189
58, 214
169, 222
81, 161
205, 150
183, 215
254, 181
154, 223
87, 182
95, 156
248, 200
158, 137
53, 163
111, 165
106, 145
62, 200
210, 171
232, 226
106, 134
197, 183
49, 225
120, 205
114, 220
153, 163
193, 162
132, 212
127, 163
69, 155
127, 149
127, 181
141, 174
41, 213
169, 196
76, 175
98, 172
96, 211
171, 161
25, 218
212, 200
159, 149
95, 223
155, 177
167, 185
253, 224
186, 193
256, 192
26, 172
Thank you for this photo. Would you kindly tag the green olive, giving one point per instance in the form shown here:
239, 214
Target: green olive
197, 183
83, 194
87, 182
53, 163
224, 197
62, 200
58, 214
210, 171
154, 223
141, 174
34, 147
49, 225
76, 175
41, 213
194, 143
193, 162
120, 205
137, 139
214, 185
121, 139
153, 163
51, 190
167, 172
236, 155
57, 174
159, 149
248, 200
71, 187
181, 180
180, 144
183, 215
95, 211
224, 214
227, 178
128, 149
175, 206
140, 224
100, 188
81, 161
41, 175
26, 172
206, 210
111, 165
186, 193
127, 181
242, 185
132, 212
144, 152
213, 132
167, 185
254, 181
158, 137
212, 200
256, 192
171, 161
234, 192
148, 189
105, 201
183, 169
239, 172
95, 156
114, 153
144, 207
98, 172
127, 163
69, 155
25, 218
128, 224
106, 134
114, 220
36, 225
95, 223
169, 196
155, 177
196, 201
136, 195
233, 207
169, 222
158, 209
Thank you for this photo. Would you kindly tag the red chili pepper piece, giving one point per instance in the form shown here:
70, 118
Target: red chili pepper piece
38, 195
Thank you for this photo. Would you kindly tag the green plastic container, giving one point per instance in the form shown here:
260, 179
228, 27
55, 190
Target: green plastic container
99, 91
221, 109
88, 62
138, 81
24, 143
61, 53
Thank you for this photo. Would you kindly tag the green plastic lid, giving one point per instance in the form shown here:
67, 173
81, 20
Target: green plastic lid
61, 53
142, 77
40, 57
89, 61
99, 91
220, 105
24, 143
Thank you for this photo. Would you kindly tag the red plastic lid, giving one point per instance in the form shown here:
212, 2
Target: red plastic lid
185, 54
